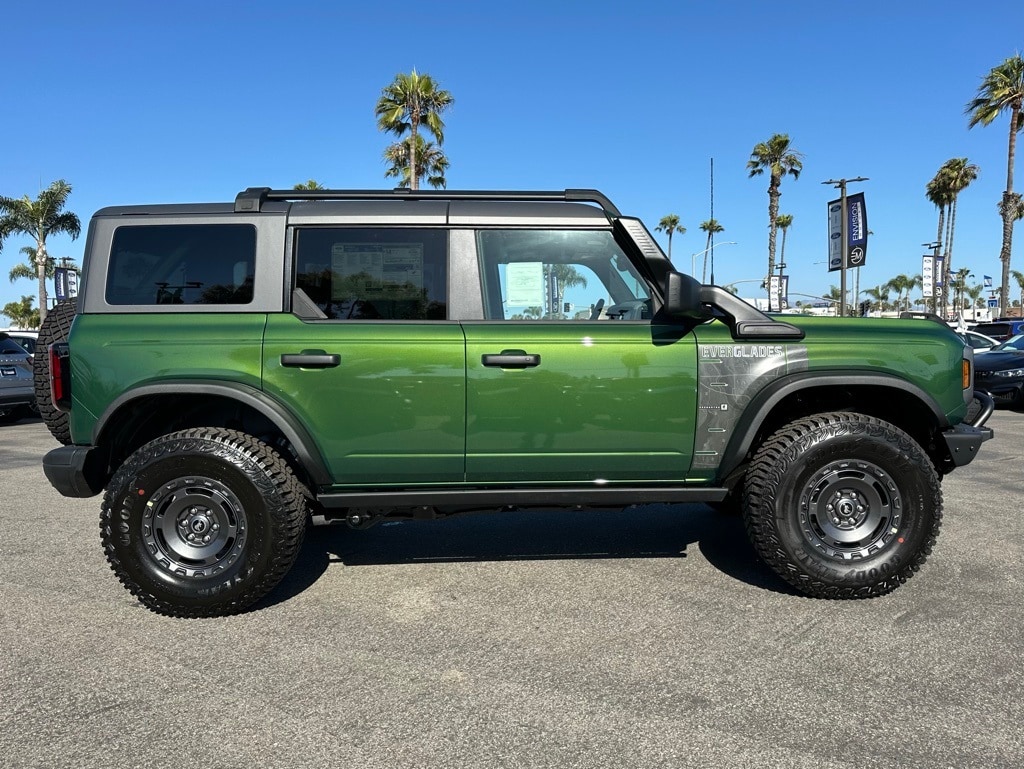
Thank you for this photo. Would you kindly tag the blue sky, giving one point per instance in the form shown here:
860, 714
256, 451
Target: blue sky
194, 101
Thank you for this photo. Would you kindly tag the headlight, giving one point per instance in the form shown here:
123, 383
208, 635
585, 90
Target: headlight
1013, 372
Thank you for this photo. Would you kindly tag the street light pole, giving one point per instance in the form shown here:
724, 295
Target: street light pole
845, 225
693, 258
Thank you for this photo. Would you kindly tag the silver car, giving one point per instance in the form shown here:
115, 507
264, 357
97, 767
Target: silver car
17, 392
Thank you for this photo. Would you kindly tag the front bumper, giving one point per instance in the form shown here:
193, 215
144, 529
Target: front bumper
75, 471
964, 440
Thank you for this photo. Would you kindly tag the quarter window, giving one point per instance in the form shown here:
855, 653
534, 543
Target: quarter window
374, 273
182, 264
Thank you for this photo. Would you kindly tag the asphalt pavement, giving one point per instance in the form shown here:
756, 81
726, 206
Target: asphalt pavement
645, 637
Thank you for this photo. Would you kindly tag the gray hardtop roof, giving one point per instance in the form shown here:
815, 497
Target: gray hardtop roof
254, 198
459, 209
174, 209
453, 213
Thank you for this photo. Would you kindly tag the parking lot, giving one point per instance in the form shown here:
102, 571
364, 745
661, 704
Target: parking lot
646, 637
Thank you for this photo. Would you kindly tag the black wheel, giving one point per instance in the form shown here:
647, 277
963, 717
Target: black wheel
842, 505
203, 522
55, 328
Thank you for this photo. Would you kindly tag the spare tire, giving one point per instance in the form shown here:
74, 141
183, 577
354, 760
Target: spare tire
55, 328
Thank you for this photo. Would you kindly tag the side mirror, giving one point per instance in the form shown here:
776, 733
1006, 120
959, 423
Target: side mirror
682, 297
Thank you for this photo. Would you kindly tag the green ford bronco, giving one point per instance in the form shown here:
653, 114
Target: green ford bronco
231, 372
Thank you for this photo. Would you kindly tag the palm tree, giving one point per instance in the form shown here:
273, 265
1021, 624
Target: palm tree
1000, 91
880, 295
670, 224
956, 174
834, 295
1018, 276
938, 192
22, 314
312, 184
565, 276
39, 219
712, 227
27, 269
431, 163
783, 222
958, 282
413, 101
777, 158
974, 292
903, 284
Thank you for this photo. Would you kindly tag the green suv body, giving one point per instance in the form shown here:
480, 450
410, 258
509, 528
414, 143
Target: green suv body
233, 371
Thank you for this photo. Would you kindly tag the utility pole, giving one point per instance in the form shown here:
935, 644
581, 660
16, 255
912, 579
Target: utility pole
845, 224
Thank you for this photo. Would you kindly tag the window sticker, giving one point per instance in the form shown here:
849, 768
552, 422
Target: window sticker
378, 265
525, 284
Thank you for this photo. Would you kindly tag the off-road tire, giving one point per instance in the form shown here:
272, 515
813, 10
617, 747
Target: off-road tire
842, 505
224, 485
55, 328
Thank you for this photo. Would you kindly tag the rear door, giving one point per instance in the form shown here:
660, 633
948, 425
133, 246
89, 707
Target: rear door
568, 380
368, 360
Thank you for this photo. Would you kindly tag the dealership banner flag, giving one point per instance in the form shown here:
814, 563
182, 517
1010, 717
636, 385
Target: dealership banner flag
835, 233
988, 281
856, 232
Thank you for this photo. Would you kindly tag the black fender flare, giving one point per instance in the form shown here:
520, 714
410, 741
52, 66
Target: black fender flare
292, 428
761, 405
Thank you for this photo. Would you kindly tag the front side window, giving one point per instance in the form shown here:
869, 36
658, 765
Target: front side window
182, 264
559, 275
374, 273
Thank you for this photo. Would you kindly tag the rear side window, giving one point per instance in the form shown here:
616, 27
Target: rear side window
10, 347
995, 330
182, 264
374, 273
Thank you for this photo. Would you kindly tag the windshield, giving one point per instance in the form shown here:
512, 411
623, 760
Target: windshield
1013, 343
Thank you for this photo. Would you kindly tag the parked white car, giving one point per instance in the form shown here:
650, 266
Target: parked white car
26, 339
979, 342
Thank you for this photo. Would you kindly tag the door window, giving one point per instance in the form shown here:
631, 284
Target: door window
559, 275
374, 273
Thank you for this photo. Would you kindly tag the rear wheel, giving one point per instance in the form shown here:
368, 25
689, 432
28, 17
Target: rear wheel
203, 522
843, 505
55, 328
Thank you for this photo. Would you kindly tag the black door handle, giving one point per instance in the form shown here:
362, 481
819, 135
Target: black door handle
511, 359
310, 360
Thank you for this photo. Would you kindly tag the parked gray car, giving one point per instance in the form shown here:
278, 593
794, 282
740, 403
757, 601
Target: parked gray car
17, 393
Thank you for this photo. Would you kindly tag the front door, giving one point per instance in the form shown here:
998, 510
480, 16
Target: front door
568, 379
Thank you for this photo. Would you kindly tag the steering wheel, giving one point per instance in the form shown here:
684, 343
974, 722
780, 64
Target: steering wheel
596, 312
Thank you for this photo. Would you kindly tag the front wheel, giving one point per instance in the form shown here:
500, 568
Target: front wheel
203, 522
842, 505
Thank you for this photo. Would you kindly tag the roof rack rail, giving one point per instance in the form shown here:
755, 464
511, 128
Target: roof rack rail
916, 315
253, 198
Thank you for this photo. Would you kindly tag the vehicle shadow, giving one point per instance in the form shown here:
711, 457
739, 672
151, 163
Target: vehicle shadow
647, 531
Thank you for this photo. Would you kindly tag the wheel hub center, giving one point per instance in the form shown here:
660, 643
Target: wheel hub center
846, 509
197, 525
